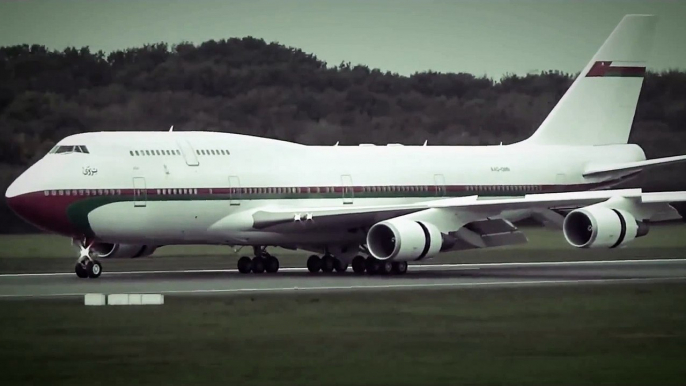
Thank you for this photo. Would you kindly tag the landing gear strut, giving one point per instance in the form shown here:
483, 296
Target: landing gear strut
260, 263
86, 266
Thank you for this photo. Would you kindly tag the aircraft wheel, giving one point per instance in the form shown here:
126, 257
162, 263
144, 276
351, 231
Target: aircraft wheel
244, 264
271, 264
257, 264
339, 266
327, 263
358, 265
314, 264
94, 269
400, 267
385, 267
371, 265
80, 271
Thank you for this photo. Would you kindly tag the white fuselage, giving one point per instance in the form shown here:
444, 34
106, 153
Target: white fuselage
177, 197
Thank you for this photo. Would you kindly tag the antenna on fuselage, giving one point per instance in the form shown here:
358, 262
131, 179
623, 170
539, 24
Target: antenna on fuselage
337, 143
171, 128
425, 142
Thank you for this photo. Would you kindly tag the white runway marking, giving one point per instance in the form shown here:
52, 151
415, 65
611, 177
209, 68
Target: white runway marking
373, 286
425, 267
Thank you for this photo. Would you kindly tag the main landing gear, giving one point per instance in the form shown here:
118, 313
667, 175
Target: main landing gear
86, 265
374, 266
360, 265
326, 263
262, 262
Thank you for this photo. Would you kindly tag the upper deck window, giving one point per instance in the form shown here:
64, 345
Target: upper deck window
65, 149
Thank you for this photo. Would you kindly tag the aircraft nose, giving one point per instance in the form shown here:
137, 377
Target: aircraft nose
17, 197
14, 189
45, 209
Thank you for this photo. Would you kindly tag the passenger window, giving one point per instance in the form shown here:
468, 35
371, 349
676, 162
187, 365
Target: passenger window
131, 152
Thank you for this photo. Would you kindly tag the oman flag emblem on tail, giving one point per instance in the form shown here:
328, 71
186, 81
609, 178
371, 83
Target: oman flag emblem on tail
617, 69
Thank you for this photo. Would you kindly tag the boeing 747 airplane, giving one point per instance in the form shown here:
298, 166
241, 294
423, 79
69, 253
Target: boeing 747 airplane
124, 194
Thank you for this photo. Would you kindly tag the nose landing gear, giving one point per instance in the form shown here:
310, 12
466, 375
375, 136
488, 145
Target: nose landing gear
86, 266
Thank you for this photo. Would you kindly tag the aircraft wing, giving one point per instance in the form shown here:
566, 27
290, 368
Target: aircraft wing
286, 218
600, 170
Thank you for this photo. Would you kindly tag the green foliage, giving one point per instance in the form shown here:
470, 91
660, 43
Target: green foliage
249, 86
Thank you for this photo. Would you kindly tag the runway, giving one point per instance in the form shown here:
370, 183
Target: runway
298, 279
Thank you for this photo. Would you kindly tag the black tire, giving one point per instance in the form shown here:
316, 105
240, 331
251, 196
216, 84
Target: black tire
400, 267
244, 264
314, 264
359, 265
271, 264
80, 271
257, 264
371, 265
339, 266
327, 263
94, 269
385, 267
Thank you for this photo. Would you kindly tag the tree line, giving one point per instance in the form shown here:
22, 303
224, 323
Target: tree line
249, 86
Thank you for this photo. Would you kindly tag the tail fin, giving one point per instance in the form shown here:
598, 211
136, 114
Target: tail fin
599, 107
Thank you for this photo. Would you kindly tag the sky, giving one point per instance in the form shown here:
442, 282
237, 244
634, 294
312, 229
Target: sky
481, 37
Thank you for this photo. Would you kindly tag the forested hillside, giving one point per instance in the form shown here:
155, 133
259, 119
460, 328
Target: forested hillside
252, 87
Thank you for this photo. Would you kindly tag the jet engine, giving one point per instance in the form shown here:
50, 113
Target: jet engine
601, 227
403, 240
114, 251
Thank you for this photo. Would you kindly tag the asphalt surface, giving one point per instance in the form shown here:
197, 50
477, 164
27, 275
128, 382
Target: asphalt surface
298, 279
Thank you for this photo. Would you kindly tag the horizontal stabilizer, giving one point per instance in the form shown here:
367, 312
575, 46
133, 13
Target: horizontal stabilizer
605, 169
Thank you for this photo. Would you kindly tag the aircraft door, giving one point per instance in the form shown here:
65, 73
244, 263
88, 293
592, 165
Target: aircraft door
140, 193
439, 181
234, 190
188, 153
347, 184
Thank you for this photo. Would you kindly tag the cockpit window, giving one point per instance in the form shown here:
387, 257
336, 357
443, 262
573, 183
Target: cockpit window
64, 149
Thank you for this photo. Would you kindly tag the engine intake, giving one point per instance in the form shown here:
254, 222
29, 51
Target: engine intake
601, 227
403, 240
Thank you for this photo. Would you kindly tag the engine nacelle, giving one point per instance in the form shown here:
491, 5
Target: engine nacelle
114, 251
403, 240
601, 227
